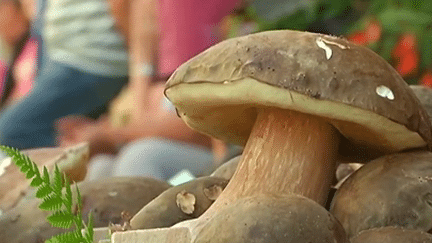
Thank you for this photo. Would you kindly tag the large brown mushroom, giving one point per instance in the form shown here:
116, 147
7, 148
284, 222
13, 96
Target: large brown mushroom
71, 160
285, 219
394, 190
107, 199
288, 96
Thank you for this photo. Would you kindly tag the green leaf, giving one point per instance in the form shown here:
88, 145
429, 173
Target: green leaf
37, 180
24, 168
57, 181
388, 44
335, 8
67, 199
68, 237
46, 176
400, 20
417, 5
61, 219
427, 7
378, 6
44, 190
51, 202
30, 173
79, 221
18, 159
426, 49
89, 232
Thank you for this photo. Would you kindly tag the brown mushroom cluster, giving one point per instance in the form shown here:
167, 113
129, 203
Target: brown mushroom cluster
300, 103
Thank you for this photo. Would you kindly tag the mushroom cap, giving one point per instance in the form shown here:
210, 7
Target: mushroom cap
218, 91
424, 94
287, 219
395, 190
392, 235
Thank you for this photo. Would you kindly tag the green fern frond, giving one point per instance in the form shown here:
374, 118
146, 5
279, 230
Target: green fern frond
51, 202
61, 219
50, 190
37, 180
43, 190
46, 176
57, 183
24, 168
67, 199
68, 237
89, 232
30, 173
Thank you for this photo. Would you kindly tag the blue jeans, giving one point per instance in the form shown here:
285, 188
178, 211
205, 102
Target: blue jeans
159, 158
58, 91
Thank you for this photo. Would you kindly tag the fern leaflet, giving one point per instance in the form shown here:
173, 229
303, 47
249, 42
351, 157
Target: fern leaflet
55, 199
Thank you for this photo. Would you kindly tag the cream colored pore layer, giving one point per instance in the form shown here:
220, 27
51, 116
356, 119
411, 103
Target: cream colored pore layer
228, 111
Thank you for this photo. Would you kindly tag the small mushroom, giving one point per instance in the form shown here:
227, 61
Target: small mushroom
273, 219
27, 223
392, 235
394, 190
294, 107
179, 203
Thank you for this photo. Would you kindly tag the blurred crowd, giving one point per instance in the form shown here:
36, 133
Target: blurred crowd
94, 71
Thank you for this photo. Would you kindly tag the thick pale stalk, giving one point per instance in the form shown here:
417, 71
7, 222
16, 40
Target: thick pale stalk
287, 152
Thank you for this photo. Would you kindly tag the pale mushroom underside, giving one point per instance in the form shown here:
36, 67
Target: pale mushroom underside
228, 110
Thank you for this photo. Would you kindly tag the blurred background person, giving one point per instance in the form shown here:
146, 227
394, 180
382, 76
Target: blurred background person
19, 47
162, 34
84, 66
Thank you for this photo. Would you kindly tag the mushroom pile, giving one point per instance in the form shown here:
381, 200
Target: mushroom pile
106, 199
297, 102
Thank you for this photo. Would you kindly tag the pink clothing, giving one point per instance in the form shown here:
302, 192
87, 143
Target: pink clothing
3, 71
188, 27
24, 73
25, 69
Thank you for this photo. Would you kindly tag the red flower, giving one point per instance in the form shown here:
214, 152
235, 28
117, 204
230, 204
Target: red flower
427, 79
406, 55
370, 35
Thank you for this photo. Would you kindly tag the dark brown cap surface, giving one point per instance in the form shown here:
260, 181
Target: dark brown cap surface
217, 92
424, 94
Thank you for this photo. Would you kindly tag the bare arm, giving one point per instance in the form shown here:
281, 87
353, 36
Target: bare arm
142, 49
164, 125
137, 21
120, 12
158, 122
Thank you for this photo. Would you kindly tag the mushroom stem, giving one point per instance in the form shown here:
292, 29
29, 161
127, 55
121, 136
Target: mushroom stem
288, 152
